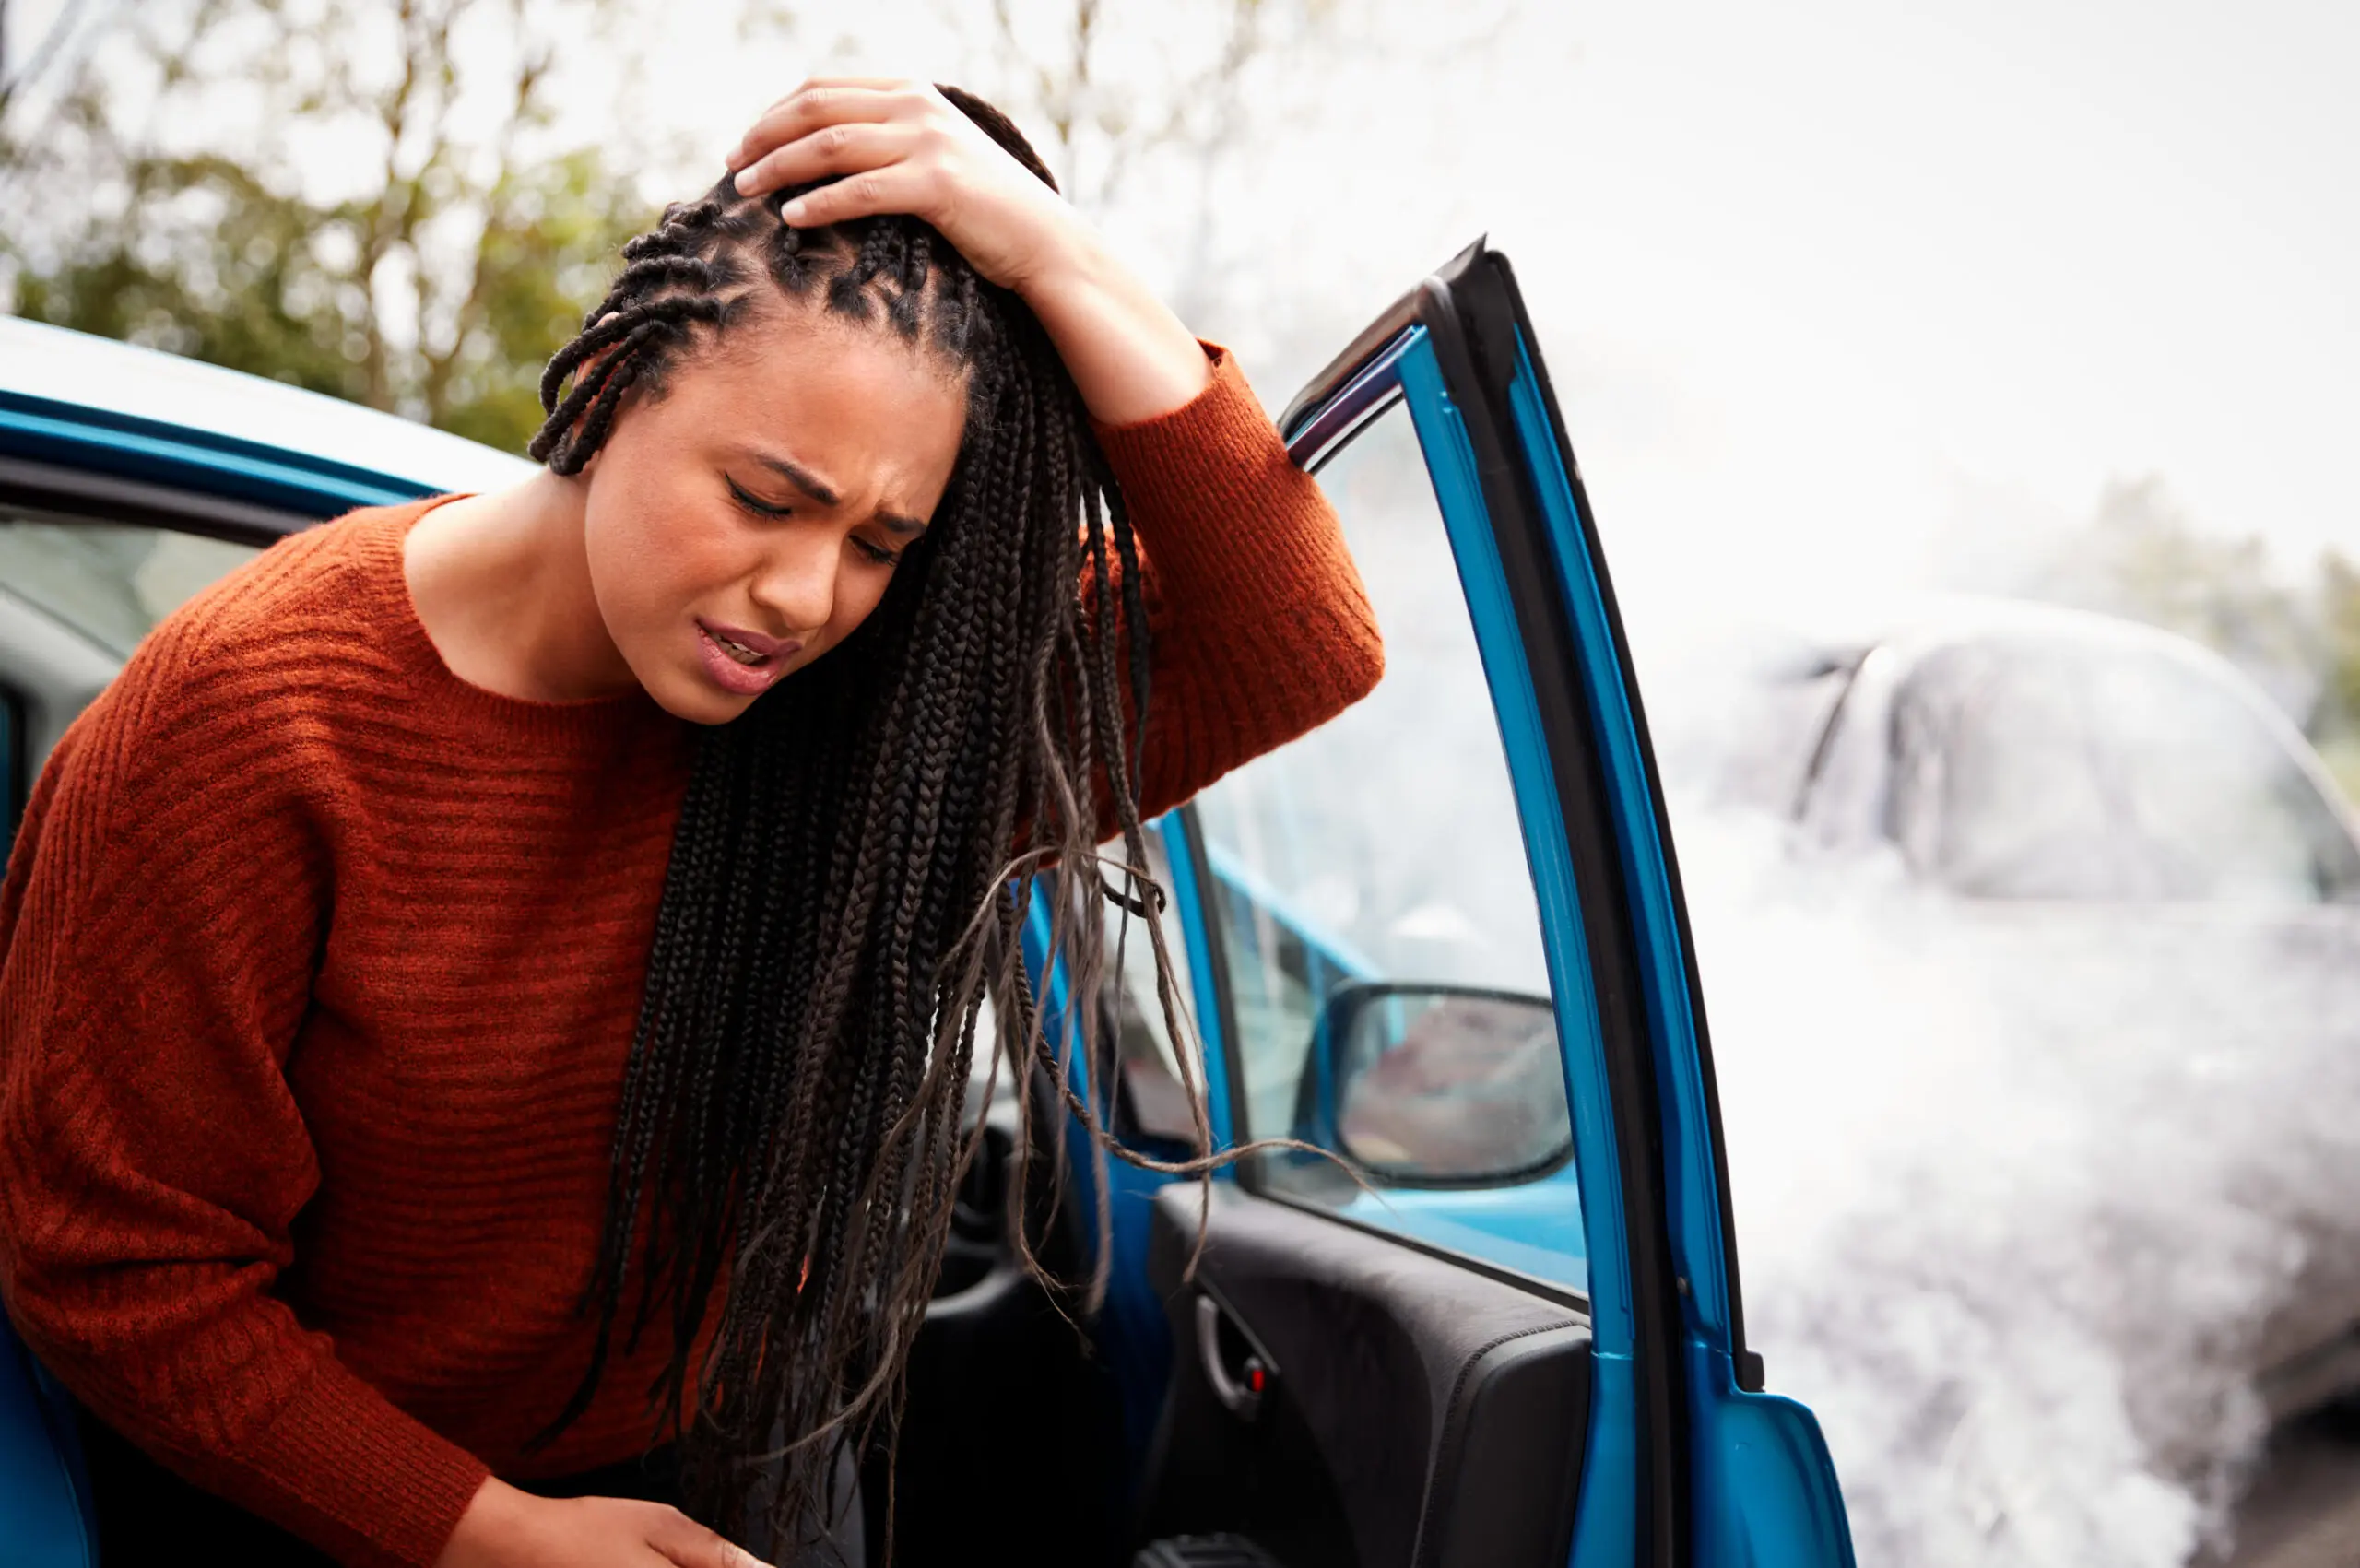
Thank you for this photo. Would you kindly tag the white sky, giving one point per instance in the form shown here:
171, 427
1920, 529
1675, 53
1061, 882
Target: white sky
1907, 282
1840, 294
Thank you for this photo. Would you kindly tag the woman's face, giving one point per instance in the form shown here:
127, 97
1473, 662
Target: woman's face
747, 520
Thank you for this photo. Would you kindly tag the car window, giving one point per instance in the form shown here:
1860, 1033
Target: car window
1154, 1101
112, 581
1386, 975
12, 768
2056, 771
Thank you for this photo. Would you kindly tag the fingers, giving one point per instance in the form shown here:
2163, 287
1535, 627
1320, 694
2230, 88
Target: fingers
688, 1544
815, 105
846, 148
897, 187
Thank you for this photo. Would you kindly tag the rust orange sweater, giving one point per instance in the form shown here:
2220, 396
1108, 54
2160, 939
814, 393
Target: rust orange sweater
321, 967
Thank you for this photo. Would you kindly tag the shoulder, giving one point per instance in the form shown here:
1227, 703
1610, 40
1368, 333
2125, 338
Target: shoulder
248, 677
300, 600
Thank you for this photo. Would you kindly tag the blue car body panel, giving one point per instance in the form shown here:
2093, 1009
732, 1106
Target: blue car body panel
1607, 1527
126, 446
45, 1519
90, 405
1763, 1489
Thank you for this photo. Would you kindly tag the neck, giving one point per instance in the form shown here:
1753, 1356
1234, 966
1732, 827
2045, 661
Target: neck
501, 583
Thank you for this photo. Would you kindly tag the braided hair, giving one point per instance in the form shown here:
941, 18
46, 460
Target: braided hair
853, 866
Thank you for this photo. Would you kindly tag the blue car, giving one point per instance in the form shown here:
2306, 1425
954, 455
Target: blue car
1477, 1302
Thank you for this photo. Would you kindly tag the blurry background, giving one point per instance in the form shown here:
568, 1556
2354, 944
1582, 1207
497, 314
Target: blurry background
1849, 304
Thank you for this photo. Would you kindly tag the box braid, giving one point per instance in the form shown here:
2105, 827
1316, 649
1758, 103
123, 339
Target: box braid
853, 866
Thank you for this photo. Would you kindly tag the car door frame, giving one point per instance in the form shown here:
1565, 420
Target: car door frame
1687, 1458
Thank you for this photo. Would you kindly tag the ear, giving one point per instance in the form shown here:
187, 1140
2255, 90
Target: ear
586, 370
592, 361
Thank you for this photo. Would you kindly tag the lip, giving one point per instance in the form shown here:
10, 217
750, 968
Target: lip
766, 646
742, 679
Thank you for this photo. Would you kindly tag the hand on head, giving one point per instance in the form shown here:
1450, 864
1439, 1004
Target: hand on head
902, 147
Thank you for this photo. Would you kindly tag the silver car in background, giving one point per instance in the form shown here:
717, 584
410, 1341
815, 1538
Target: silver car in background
2122, 824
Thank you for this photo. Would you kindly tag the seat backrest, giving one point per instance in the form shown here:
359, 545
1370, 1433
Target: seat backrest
45, 1515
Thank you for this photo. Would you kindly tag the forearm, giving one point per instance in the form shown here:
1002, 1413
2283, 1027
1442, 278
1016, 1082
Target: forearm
1129, 356
1259, 627
245, 1404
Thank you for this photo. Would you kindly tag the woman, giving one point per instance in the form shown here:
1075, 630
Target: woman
489, 989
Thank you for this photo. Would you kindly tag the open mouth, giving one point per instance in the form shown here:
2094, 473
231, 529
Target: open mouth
738, 651
741, 666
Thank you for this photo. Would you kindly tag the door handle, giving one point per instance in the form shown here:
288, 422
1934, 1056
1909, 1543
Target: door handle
1241, 1391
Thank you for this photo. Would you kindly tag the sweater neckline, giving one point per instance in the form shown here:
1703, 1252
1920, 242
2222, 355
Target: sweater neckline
535, 721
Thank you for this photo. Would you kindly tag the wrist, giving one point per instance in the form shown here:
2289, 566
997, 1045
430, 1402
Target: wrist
1130, 358
488, 1529
1075, 263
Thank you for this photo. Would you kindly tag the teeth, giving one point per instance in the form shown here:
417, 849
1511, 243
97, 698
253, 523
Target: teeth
738, 651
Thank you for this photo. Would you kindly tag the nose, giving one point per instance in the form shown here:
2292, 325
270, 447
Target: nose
796, 582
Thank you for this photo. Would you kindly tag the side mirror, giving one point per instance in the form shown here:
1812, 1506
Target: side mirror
1441, 1085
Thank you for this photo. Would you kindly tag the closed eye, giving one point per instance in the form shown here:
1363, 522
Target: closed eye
877, 552
753, 503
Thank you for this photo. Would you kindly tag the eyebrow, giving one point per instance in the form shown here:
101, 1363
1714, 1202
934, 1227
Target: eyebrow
810, 484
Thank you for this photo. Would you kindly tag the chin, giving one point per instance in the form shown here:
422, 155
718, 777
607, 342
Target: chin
711, 709
695, 702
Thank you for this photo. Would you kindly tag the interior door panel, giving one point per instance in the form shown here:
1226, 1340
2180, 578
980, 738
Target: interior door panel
1416, 1414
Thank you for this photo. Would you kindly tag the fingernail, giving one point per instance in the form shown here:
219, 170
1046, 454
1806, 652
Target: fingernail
793, 211
738, 182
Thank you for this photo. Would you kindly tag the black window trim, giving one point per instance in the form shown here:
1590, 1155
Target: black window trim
80, 493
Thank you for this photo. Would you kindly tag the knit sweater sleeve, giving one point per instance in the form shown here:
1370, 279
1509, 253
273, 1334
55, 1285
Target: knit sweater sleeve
165, 903
1258, 627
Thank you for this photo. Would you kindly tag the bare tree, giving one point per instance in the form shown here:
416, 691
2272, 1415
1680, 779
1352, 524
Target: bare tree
1186, 127
362, 196
61, 30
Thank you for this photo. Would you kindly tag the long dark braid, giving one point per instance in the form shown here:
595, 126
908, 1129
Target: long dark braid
855, 859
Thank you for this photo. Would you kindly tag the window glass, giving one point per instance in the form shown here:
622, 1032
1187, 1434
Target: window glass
2106, 773
112, 581
109, 581
1154, 1100
1386, 981
12, 772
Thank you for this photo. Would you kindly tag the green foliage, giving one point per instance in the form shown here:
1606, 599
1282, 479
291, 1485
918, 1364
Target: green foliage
2143, 558
437, 288
2336, 724
541, 265
242, 286
2340, 613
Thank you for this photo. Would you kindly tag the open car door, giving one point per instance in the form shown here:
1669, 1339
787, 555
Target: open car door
1486, 1312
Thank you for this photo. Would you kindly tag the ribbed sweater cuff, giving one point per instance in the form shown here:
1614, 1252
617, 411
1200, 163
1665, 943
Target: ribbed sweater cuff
1214, 460
347, 1470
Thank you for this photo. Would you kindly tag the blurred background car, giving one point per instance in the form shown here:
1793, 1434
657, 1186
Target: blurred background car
2087, 797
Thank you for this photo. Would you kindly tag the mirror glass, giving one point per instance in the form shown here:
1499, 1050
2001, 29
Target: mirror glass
1444, 1085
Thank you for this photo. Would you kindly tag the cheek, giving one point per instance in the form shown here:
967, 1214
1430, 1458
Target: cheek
858, 592
650, 553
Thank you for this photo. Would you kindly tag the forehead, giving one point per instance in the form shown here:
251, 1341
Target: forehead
853, 400
786, 340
